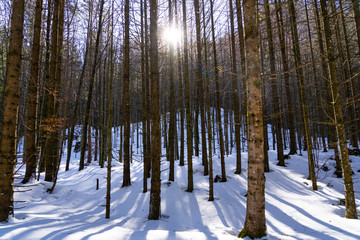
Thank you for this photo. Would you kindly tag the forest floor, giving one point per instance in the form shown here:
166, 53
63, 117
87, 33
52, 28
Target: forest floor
76, 210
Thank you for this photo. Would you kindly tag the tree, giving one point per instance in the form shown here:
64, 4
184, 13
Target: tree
300, 77
255, 224
200, 86
189, 135
144, 99
285, 66
110, 118
181, 96
30, 151
52, 121
339, 119
217, 90
235, 91
274, 89
355, 6
172, 122
54, 142
126, 97
208, 109
91, 86
154, 211
9, 121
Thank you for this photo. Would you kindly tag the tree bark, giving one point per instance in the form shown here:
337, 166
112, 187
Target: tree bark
172, 122
234, 81
189, 135
126, 97
30, 151
154, 211
9, 121
255, 224
110, 117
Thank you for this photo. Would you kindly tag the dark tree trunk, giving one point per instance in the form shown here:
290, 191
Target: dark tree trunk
154, 211
30, 151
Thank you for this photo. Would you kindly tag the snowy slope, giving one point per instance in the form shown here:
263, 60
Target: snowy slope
76, 209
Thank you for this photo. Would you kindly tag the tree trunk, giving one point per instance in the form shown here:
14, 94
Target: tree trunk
350, 86
143, 93
217, 90
274, 88
154, 211
255, 224
30, 151
355, 6
290, 112
89, 97
189, 136
242, 58
320, 112
52, 120
126, 97
172, 122
9, 121
200, 87
110, 118
339, 120
181, 97
235, 91
300, 77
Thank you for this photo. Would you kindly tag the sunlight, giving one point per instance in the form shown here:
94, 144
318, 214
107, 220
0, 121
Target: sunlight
172, 35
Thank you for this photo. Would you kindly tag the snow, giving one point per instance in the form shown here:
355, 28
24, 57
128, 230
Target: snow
76, 210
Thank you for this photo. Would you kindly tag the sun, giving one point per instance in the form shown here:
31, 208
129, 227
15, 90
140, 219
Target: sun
172, 35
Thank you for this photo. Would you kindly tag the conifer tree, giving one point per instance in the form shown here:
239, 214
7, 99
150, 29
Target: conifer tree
154, 211
10, 116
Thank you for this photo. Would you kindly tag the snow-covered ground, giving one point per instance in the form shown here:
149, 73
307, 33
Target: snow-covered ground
76, 210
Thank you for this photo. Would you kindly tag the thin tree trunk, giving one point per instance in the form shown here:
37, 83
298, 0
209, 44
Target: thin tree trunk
154, 210
89, 97
329, 111
300, 77
242, 58
217, 89
200, 87
126, 97
189, 136
234, 82
181, 97
274, 88
290, 112
350, 87
110, 118
77, 100
148, 91
143, 89
172, 122
316, 80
